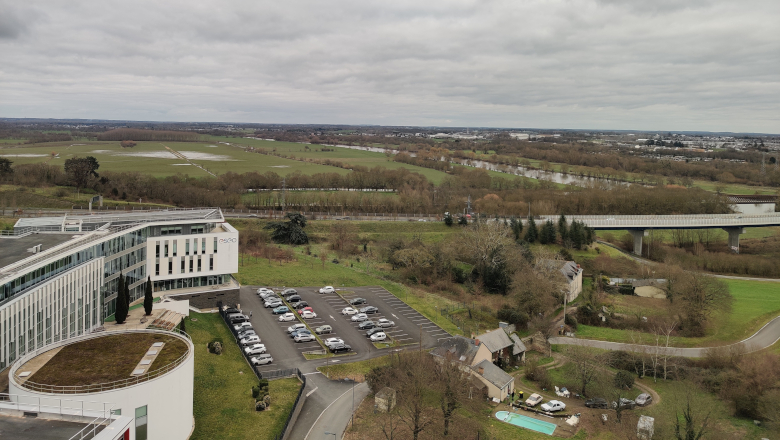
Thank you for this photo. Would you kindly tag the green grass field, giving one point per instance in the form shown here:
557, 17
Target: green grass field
223, 403
755, 304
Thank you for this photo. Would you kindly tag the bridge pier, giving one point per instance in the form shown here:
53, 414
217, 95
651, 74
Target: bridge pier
638, 234
734, 234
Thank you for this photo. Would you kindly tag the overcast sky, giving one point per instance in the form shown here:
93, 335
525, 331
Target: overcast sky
593, 64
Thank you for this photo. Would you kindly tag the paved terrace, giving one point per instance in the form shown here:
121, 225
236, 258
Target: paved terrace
638, 225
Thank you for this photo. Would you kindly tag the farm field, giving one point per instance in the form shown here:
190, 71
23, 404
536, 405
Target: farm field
755, 304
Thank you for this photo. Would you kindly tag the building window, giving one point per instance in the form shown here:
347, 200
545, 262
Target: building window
195, 246
187, 246
215, 245
199, 261
157, 267
166, 249
141, 423
170, 266
157, 249
203, 246
182, 264
175, 247
211, 262
190, 264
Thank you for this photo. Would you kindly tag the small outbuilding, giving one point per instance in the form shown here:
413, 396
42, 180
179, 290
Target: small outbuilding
384, 401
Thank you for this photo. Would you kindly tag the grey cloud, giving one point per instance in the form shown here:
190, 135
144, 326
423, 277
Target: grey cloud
592, 63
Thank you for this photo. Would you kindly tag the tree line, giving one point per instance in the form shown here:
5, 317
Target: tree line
137, 134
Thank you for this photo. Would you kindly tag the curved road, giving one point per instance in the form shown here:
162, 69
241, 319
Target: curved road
765, 337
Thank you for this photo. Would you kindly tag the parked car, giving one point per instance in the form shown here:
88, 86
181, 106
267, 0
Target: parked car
332, 341
269, 295
360, 317
263, 290
232, 310
255, 349
349, 311
624, 404
305, 309
263, 359
239, 319
369, 310
242, 326
294, 327
250, 340
377, 337
365, 325
553, 406
273, 303
300, 304
534, 399
357, 301
308, 315
338, 348
287, 317
323, 329
374, 330
327, 289
299, 332
289, 291
234, 315
385, 323
304, 337
245, 333
597, 402
293, 298
281, 309
643, 399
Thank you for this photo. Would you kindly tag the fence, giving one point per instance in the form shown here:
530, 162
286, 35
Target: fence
271, 375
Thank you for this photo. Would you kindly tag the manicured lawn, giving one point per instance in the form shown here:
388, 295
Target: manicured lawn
223, 403
106, 359
755, 304
353, 370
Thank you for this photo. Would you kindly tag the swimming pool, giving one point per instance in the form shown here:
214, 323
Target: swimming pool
526, 422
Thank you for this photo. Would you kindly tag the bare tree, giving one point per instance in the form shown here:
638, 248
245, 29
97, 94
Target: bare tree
453, 385
586, 366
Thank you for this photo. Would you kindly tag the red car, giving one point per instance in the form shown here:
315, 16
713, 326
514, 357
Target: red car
300, 312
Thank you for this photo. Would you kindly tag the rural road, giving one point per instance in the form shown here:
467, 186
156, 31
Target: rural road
763, 338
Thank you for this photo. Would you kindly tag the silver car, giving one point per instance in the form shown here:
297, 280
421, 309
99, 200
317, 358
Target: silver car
360, 317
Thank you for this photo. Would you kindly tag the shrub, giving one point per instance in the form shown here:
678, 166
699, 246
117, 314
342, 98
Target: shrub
571, 321
624, 379
60, 192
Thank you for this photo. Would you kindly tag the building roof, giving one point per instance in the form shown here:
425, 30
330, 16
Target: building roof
569, 269
457, 349
740, 199
16, 249
33, 428
493, 374
495, 340
519, 347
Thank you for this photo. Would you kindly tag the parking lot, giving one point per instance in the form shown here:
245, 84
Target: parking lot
409, 326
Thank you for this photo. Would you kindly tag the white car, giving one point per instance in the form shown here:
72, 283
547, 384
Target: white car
255, 349
243, 326
349, 311
264, 290
262, 359
305, 337
289, 316
553, 405
385, 323
360, 317
376, 337
308, 315
331, 341
294, 327
327, 289
250, 340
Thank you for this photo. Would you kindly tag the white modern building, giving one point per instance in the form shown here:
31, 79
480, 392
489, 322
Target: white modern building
59, 275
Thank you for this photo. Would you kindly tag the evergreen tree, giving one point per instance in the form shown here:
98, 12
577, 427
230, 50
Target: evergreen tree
517, 228
148, 300
127, 295
532, 234
448, 219
121, 302
291, 231
563, 229
577, 233
548, 234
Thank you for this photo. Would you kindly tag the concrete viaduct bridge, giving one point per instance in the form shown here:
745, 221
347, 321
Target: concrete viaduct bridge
638, 225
